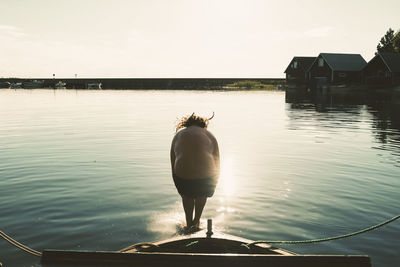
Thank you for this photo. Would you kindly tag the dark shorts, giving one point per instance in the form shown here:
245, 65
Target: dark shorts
195, 187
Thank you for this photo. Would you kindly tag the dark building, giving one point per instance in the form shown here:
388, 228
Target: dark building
335, 69
296, 72
383, 69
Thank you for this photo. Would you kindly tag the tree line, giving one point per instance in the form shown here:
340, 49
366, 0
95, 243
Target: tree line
390, 42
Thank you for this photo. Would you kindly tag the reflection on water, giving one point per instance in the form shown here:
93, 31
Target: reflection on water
227, 179
90, 170
387, 118
353, 113
349, 110
386, 130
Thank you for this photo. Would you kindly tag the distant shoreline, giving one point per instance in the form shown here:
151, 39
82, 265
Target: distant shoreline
161, 83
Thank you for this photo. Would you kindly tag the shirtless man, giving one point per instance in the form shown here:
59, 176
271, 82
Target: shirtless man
195, 165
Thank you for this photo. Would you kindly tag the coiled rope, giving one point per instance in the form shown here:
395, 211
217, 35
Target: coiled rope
324, 239
139, 245
20, 246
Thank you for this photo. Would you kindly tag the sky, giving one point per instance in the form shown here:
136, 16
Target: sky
183, 38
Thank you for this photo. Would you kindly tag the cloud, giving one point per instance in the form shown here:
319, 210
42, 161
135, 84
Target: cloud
8, 32
319, 32
283, 35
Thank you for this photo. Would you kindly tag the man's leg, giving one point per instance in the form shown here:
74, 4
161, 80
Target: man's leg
199, 203
188, 205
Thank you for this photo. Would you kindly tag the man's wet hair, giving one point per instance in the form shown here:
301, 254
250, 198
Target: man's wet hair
193, 120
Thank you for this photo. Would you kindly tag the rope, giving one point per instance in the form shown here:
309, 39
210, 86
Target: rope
20, 246
325, 239
142, 245
192, 243
39, 254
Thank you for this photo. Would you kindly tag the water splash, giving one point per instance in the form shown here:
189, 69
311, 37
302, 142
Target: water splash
173, 222
167, 222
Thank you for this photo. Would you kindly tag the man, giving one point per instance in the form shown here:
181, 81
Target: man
195, 165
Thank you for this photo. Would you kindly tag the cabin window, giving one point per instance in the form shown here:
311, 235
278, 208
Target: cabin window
342, 74
295, 65
320, 62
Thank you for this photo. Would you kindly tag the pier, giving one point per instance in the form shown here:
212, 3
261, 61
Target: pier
148, 83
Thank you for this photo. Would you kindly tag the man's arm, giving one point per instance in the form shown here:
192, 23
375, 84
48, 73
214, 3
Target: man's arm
172, 155
216, 154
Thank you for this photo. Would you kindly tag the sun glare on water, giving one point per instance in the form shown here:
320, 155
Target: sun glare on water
226, 182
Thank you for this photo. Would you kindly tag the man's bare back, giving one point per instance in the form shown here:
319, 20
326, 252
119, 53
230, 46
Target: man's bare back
195, 153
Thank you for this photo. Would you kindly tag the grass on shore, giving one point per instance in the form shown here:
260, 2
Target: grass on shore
250, 85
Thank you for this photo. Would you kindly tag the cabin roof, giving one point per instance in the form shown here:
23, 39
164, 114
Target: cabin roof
392, 60
344, 62
305, 62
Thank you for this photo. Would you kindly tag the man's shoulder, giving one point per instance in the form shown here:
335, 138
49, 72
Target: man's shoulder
209, 133
211, 136
180, 132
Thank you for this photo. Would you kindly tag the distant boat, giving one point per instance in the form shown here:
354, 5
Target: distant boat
94, 86
5, 85
33, 84
16, 85
60, 85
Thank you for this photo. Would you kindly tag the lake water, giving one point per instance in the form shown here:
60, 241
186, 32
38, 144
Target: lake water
90, 170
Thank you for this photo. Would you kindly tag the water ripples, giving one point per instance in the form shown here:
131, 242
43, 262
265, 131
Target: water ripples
90, 170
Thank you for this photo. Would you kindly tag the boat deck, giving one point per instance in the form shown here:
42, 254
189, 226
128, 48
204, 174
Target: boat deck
198, 250
199, 243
